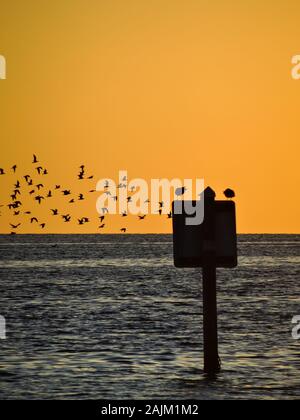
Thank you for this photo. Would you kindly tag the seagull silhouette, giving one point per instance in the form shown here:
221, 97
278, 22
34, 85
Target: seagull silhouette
39, 198
124, 230
66, 192
179, 192
67, 218
39, 170
43, 225
14, 168
229, 193
54, 212
102, 218
102, 226
2, 171
142, 217
35, 159
15, 226
34, 219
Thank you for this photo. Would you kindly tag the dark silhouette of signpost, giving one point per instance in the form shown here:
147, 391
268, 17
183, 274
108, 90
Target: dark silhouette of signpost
209, 245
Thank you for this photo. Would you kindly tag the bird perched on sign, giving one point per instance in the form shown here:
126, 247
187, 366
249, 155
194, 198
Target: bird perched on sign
229, 193
179, 192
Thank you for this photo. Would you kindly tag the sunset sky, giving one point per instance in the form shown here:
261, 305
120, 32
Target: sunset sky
162, 89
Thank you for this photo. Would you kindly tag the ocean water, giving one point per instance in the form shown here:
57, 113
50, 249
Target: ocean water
106, 317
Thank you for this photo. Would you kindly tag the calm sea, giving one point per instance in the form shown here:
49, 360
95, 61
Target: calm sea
110, 317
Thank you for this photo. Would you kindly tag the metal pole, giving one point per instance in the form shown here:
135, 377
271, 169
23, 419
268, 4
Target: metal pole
210, 324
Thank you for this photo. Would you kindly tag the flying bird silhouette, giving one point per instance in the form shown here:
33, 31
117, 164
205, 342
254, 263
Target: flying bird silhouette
35, 159
15, 226
124, 230
39, 198
34, 219
43, 225
2, 171
54, 212
67, 218
14, 168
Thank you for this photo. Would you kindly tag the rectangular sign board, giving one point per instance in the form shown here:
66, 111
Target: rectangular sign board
190, 243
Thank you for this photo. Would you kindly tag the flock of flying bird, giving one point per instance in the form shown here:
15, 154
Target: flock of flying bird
39, 193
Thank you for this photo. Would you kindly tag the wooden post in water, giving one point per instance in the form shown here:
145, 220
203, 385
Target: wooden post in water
210, 323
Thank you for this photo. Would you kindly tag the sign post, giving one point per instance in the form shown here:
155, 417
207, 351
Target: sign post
209, 245
209, 277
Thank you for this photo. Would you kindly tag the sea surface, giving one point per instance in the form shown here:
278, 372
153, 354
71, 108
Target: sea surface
109, 317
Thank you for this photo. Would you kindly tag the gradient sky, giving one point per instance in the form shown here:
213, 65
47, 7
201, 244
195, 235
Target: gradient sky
161, 88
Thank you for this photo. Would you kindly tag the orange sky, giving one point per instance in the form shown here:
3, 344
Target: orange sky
175, 89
